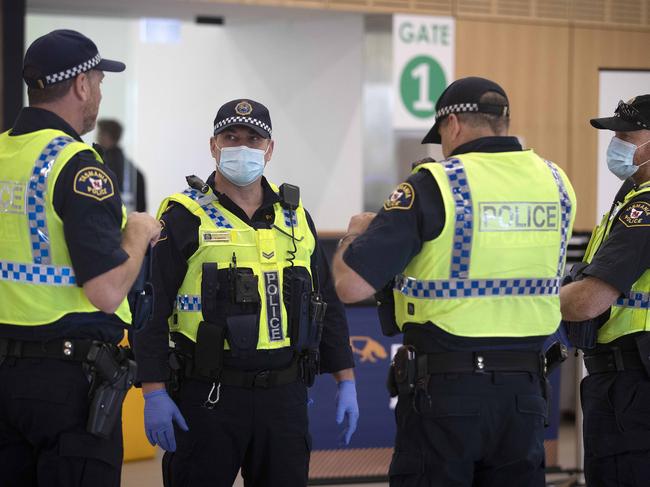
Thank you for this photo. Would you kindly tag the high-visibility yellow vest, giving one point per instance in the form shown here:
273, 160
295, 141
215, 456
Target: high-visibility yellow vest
267, 252
495, 269
629, 314
37, 282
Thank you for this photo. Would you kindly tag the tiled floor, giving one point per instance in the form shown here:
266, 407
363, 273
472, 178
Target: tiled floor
147, 473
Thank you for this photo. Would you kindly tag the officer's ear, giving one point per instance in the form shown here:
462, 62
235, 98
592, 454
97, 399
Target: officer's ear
81, 86
269, 151
214, 149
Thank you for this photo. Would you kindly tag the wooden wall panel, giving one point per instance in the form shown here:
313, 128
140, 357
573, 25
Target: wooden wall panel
594, 49
531, 63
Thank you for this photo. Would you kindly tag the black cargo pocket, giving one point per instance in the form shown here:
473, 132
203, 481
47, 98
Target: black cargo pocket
43, 391
450, 406
532, 404
405, 468
90, 460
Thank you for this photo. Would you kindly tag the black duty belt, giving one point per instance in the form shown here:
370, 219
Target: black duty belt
613, 360
64, 349
263, 379
480, 362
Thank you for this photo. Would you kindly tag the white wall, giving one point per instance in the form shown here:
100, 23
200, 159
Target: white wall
307, 71
614, 86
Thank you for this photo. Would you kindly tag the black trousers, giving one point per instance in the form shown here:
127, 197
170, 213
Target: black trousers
616, 429
262, 431
482, 430
43, 440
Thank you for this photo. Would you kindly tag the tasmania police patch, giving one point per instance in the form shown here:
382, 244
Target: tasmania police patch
400, 199
94, 183
636, 215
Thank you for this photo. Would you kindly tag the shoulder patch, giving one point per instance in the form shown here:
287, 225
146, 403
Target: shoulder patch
93, 183
400, 199
636, 215
163, 230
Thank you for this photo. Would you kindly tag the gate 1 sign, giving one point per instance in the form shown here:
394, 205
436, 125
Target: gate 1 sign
423, 66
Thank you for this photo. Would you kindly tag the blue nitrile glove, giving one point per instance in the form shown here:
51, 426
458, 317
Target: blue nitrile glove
346, 405
159, 412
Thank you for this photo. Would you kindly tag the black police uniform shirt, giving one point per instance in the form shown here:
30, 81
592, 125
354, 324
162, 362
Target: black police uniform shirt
396, 236
625, 255
92, 233
179, 240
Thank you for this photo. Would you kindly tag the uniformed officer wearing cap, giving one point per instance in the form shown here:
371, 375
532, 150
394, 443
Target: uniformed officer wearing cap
68, 257
240, 282
607, 311
477, 244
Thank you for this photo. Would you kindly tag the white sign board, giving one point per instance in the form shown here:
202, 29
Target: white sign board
423, 66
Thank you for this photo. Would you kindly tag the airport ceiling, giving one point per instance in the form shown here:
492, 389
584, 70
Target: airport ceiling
179, 9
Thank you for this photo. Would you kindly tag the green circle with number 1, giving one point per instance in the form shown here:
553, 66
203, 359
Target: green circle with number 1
421, 83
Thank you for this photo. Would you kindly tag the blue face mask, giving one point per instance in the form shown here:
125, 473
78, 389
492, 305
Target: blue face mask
620, 158
241, 165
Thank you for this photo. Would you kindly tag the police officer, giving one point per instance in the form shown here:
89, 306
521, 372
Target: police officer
240, 281
68, 257
607, 311
478, 244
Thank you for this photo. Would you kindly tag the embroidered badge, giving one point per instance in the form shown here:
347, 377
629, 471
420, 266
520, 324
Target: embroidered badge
636, 215
244, 109
93, 183
401, 199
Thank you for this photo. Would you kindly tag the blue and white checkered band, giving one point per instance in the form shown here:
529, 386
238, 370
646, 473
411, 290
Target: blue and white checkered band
634, 299
473, 288
186, 302
464, 222
51, 79
36, 190
206, 201
565, 216
458, 108
236, 120
37, 274
290, 218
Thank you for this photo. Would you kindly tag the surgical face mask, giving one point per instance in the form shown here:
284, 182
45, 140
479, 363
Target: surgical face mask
620, 158
241, 165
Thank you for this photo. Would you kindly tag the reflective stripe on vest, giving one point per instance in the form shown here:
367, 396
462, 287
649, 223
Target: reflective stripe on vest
634, 299
458, 286
40, 272
188, 302
205, 202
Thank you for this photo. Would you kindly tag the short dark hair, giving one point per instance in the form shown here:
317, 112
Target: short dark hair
112, 128
50, 93
498, 123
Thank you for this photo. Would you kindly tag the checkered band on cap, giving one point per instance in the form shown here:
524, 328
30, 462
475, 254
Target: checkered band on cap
207, 202
37, 274
458, 108
188, 302
51, 79
634, 299
474, 288
235, 120
565, 216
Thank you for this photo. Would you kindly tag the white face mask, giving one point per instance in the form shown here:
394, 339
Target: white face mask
620, 158
241, 165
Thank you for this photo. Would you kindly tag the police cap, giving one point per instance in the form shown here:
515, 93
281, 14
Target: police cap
244, 112
61, 55
463, 96
628, 117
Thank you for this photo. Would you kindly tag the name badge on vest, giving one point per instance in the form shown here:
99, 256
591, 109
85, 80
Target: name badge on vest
218, 236
12, 197
273, 309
